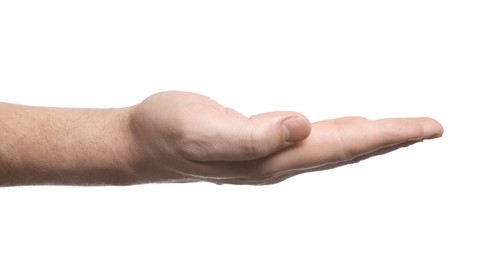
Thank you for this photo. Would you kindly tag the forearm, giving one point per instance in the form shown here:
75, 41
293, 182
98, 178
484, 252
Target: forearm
66, 146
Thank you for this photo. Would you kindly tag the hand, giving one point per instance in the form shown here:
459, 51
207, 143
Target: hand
184, 137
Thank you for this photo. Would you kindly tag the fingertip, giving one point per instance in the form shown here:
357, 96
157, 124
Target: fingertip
431, 128
296, 128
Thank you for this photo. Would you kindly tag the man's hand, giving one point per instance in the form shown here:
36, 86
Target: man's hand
184, 137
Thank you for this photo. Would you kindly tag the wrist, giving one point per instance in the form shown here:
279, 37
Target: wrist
150, 149
124, 157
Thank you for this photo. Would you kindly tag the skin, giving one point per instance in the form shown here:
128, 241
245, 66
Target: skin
185, 137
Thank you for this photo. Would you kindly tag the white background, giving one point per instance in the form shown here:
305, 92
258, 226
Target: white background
323, 58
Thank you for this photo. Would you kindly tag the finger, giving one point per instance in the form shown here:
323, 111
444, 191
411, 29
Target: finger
233, 137
344, 139
279, 177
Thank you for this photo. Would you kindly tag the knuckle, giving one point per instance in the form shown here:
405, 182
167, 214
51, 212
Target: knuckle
350, 119
257, 149
257, 145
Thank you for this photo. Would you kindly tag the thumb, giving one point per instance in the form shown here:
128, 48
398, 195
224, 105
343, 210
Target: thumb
241, 138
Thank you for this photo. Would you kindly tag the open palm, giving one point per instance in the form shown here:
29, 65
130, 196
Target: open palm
184, 137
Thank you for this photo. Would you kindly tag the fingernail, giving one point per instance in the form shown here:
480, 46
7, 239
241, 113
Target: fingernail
295, 129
